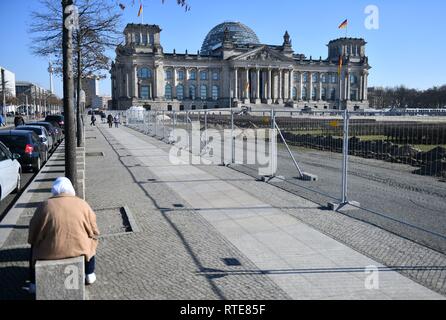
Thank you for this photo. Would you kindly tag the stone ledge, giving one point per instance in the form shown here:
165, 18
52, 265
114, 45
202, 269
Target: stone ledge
60, 279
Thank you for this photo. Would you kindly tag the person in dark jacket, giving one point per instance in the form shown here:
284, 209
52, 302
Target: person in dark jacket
110, 121
18, 121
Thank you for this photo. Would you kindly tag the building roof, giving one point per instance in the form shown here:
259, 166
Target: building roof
238, 33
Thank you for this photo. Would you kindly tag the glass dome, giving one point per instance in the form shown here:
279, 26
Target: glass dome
238, 32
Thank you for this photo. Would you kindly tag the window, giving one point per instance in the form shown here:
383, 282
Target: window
144, 39
180, 92
315, 77
145, 92
180, 75
203, 75
137, 38
304, 93
333, 94
215, 92
354, 95
168, 92
193, 75
324, 78
294, 93
144, 73
353, 79
151, 38
192, 92
168, 74
324, 94
296, 77
215, 75
203, 92
334, 78
314, 94
305, 77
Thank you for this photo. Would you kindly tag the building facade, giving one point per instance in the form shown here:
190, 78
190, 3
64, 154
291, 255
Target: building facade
234, 69
7, 78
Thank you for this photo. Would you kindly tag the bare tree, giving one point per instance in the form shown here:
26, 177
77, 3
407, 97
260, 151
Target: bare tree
99, 25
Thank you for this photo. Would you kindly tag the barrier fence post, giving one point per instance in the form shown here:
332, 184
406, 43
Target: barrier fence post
164, 127
344, 199
232, 138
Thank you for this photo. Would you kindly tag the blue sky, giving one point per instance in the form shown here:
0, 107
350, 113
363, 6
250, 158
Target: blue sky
408, 48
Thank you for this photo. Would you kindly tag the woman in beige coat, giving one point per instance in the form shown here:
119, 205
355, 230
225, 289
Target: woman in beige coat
63, 227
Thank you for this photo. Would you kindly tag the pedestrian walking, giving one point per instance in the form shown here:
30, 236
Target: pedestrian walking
63, 227
18, 121
117, 121
93, 120
103, 117
110, 121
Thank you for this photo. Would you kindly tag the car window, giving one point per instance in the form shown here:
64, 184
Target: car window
35, 138
14, 141
3, 155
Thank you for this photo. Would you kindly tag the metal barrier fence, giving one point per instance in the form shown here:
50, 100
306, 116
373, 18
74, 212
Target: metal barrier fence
385, 169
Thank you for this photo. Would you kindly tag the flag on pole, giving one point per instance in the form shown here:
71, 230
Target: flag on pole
341, 59
344, 24
140, 10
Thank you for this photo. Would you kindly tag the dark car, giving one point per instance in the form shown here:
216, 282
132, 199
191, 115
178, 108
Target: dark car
55, 132
60, 120
33, 153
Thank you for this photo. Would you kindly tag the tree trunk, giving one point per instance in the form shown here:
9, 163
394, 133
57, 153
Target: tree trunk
68, 90
80, 124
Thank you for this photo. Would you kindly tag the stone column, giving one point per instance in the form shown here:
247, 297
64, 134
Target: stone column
320, 86
247, 86
236, 84
258, 100
186, 84
269, 96
310, 76
366, 88
280, 88
290, 85
361, 87
301, 85
135, 79
348, 86
210, 83
174, 84
127, 84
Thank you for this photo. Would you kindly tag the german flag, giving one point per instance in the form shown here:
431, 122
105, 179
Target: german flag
343, 25
140, 10
341, 59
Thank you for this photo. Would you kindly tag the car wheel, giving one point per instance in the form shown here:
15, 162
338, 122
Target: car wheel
38, 165
19, 184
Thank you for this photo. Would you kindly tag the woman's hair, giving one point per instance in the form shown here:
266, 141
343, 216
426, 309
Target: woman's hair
62, 185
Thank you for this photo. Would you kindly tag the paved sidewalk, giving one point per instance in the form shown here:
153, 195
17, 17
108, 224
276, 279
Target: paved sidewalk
203, 233
273, 246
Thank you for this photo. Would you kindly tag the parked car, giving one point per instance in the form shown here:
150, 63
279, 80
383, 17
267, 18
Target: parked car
43, 134
56, 132
33, 153
10, 172
59, 119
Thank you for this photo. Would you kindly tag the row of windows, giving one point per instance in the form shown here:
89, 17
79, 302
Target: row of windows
330, 78
146, 73
168, 94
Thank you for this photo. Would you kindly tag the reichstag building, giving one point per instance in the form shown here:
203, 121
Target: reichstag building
234, 68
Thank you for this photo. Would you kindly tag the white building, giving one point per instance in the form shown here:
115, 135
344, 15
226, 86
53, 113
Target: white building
9, 82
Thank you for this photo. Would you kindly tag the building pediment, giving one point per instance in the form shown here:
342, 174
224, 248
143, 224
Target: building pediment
262, 54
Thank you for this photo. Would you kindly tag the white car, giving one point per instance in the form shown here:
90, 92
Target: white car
10, 172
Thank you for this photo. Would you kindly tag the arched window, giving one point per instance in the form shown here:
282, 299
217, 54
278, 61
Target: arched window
315, 77
168, 92
180, 92
304, 93
192, 92
203, 75
305, 77
144, 73
193, 75
180, 75
353, 79
168, 74
145, 93
215, 92
203, 92
294, 93
324, 94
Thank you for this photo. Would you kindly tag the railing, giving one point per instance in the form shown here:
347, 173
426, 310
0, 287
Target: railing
388, 169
